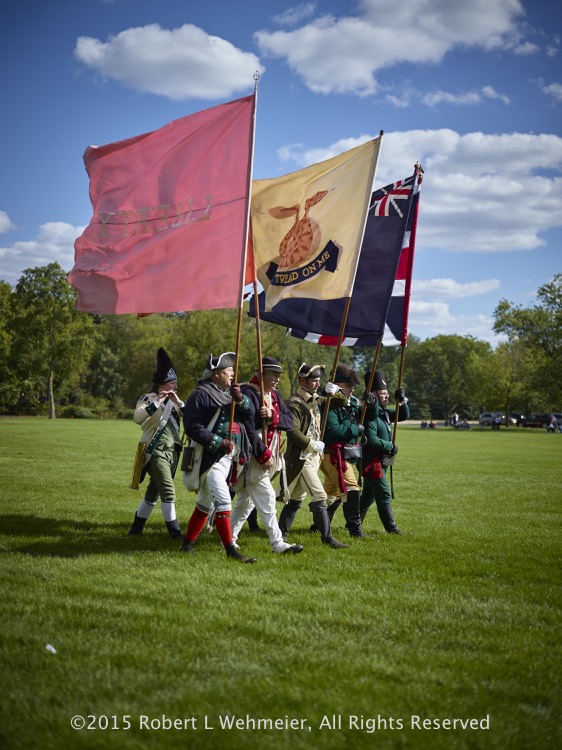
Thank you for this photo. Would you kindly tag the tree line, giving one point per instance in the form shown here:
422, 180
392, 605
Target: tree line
57, 361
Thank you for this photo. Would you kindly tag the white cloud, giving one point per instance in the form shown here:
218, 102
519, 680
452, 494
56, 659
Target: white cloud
179, 63
54, 243
295, 15
554, 90
481, 193
411, 96
344, 54
440, 97
490, 93
450, 289
5, 224
428, 319
402, 101
445, 97
526, 49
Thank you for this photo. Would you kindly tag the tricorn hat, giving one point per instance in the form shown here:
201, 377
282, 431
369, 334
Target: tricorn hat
165, 371
379, 381
224, 360
311, 371
270, 363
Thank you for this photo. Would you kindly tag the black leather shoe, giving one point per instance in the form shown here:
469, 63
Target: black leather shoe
357, 533
187, 547
232, 552
334, 544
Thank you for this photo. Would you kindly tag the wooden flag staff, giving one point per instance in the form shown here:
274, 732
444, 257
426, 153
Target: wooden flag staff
246, 234
335, 365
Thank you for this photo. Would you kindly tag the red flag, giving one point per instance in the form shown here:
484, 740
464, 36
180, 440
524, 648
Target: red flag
170, 216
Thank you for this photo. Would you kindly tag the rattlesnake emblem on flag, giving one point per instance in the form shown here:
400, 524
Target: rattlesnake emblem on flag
303, 238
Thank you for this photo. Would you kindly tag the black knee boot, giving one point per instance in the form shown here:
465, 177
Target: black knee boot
287, 516
352, 514
137, 526
322, 523
174, 529
387, 518
253, 520
332, 509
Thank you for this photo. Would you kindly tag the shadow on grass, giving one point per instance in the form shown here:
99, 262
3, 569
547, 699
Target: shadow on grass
63, 537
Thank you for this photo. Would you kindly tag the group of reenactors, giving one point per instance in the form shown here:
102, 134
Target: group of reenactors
236, 433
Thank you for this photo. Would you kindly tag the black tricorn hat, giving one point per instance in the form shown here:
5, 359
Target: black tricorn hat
379, 381
270, 363
311, 371
165, 371
224, 360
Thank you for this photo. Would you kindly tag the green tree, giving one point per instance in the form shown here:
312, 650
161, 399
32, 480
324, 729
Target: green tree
10, 386
51, 341
444, 372
508, 369
539, 328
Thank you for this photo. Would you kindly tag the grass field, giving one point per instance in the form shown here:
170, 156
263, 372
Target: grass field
457, 619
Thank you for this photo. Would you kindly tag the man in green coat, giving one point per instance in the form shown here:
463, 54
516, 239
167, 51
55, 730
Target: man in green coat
379, 450
159, 414
342, 437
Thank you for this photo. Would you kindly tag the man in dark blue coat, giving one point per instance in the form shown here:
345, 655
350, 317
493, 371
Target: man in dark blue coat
216, 449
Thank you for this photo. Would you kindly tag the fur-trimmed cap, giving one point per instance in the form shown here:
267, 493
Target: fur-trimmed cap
345, 374
165, 371
311, 371
224, 360
379, 381
270, 363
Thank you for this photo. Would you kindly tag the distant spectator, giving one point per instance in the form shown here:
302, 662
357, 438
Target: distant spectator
497, 422
464, 425
432, 425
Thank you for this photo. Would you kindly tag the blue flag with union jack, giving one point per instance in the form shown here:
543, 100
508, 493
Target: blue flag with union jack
381, 293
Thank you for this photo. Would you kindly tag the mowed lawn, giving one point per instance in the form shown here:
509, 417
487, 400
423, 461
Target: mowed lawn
446, 637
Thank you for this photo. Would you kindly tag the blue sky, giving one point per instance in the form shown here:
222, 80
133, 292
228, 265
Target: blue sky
470, 88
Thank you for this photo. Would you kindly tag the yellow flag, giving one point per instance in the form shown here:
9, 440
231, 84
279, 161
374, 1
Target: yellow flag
307, 226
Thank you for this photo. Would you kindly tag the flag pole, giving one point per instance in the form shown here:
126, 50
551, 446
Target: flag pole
369, 384
258, 346
245, 249
374, 165
418, 177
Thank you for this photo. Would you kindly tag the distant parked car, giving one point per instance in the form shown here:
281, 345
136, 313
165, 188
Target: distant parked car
487, 419
537, 420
